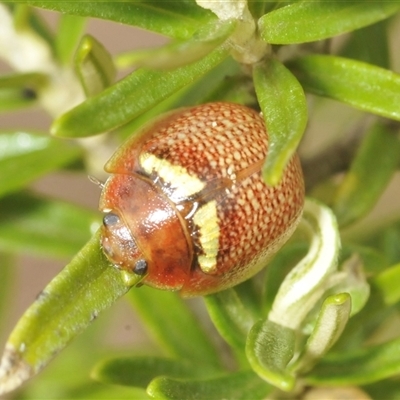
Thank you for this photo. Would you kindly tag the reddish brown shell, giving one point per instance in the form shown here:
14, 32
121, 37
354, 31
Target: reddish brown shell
203, 163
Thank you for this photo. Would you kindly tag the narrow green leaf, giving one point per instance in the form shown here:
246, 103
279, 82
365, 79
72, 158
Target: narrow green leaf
140, 371
269, 349
27, 17
69, 372
94, 66
71, 301
127, 130
358, 367
199, 91
235, 386
40, 25
177, 54
16, 98
330, 323
20, 90
365, 181
177, 331
25, 156
361, 85
230, 317
94, 391
21, 13
6, 285
29, 80
42, 226
284, 108
196, 93
131, 97
69, 33
307, 21
389, 242
387, 283
179, 20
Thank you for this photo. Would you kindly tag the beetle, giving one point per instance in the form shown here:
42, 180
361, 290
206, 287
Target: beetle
186, 206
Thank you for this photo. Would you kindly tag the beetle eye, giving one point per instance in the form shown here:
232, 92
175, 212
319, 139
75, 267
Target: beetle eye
140, 267
110, 219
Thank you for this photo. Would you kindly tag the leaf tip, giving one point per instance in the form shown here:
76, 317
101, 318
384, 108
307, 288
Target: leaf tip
272, 174
14, 371
59, 127
55, 128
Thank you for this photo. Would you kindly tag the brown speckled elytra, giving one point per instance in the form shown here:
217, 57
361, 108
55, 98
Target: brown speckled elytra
186, 206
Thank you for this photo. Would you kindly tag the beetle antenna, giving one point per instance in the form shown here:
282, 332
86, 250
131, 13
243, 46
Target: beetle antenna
96, 181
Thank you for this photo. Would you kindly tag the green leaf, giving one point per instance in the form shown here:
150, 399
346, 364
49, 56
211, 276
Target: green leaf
140, 371
177, 54
365, 181
387, 284
307, 21
389, 242
196, 93
179, 20
25, 17
69, 33
94, 66
235, 386
330, 323
16, 98
21, 13
230, 317
361, 85
132, 96
269, 349
71, 301
284, 108
177, 331
20, 90
95, 391
6, 284
26, 156
42, 226
209, 84
358, 367
69, 373
40, 25
29, 80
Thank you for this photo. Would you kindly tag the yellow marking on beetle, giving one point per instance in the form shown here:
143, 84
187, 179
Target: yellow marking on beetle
206, 219
183, 184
